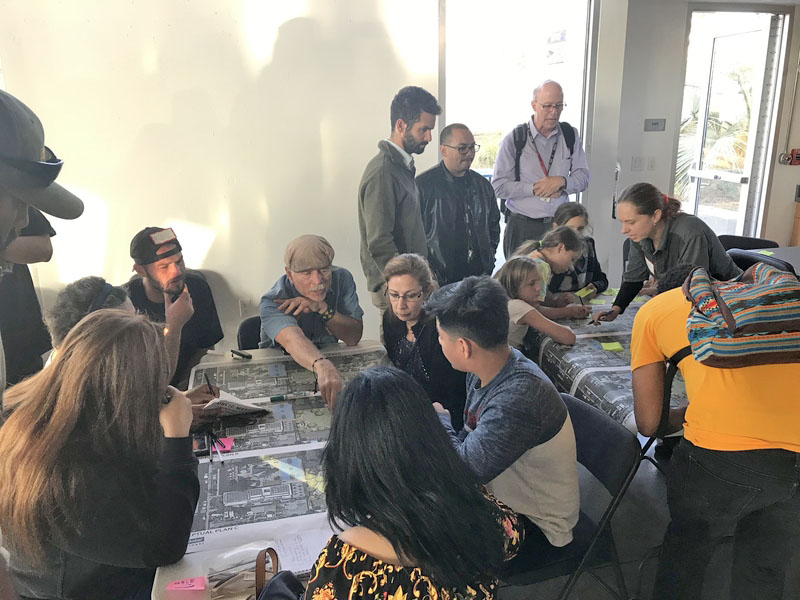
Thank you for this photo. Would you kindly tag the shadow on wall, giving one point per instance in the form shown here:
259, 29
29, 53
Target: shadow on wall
165, 122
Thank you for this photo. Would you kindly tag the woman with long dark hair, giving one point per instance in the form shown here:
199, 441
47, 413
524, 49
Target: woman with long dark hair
661, 237
410, 336
415, 521
98, 483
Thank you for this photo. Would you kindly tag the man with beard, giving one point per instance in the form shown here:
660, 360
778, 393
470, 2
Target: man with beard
28, 170
459, 210
168, 294
389, 216
314, 302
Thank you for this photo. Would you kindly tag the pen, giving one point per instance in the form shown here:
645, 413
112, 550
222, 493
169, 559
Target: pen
208, 383
291, 396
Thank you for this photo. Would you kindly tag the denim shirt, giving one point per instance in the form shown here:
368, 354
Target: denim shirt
341, 297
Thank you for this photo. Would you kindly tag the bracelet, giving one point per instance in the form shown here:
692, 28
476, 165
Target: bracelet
314, 364
327, 314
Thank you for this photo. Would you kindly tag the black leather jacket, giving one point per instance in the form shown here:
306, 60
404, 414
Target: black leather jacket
462, 223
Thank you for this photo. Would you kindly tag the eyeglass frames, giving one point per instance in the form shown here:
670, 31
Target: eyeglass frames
464, 150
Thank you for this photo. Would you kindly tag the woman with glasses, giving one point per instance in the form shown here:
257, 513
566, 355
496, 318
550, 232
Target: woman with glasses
415, 523
98, 483
411, 339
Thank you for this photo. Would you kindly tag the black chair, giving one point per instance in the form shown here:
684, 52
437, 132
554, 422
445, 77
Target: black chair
745, 259
249, 334
745, 243
611, 454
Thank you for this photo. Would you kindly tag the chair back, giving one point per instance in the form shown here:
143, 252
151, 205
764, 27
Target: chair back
745, 259
249, 334
605, 448
745, 243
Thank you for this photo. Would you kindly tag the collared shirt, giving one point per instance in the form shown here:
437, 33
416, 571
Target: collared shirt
519, 194
341, 297
686, 240
409, 160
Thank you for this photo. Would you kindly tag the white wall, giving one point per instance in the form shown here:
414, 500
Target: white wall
242, 124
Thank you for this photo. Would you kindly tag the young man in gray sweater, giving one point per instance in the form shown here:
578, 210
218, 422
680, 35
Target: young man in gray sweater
517, 436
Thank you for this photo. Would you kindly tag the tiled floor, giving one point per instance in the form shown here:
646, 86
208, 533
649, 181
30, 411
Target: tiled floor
638, 526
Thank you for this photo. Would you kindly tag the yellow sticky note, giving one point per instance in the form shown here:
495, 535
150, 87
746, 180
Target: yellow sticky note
766, 252
640, 299
584, 292
610, 292
598, 301
612, 346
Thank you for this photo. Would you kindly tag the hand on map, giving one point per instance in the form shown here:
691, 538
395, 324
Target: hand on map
577, 311
549, 187
176, 416
329, 382
299, 305
606, 315
178, 313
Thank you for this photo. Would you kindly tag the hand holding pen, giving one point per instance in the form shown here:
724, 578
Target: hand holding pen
175, 415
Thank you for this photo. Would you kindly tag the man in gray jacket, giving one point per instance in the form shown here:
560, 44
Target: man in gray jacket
389, 216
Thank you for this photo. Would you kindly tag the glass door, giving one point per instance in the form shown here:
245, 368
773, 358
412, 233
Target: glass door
727, 117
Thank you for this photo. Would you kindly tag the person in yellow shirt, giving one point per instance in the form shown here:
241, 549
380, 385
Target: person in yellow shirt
738, 466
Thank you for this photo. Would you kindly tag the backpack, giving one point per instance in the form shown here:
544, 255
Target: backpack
521, 138
752, 321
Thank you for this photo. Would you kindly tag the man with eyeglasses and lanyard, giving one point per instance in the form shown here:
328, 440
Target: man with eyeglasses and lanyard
28, 170
313, 303
550, 165
459, 210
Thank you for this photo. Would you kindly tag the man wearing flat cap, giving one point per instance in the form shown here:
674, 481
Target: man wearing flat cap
28, 170
168, 294
313, 303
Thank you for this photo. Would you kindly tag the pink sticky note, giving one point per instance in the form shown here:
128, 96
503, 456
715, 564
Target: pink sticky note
225, 445
192, 583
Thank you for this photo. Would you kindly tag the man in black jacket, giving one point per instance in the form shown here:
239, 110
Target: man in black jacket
459, 211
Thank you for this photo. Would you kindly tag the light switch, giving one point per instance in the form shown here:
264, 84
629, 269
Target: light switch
655, 124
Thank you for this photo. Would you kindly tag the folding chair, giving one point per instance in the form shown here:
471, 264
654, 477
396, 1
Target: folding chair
249, 334
611, 454
744, 242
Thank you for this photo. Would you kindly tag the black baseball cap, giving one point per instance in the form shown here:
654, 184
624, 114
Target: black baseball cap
146, 243
28, 168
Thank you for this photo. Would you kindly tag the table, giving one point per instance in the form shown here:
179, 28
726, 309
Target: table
270, 486
790, 254
599, 377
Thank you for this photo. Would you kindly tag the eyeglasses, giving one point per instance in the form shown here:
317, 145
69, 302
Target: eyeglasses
558, 106
464, 150
408, 296
45, 171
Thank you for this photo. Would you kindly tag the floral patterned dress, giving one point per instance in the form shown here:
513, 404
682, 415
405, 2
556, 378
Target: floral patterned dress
343, 572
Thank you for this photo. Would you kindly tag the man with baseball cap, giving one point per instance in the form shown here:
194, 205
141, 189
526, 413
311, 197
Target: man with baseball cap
168, 294
314, 302
28, 170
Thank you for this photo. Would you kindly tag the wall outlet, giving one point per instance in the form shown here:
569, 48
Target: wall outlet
651, 163
637, 163
244, 308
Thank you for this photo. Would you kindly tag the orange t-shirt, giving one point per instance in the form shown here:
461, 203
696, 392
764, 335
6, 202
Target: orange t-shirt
749, 408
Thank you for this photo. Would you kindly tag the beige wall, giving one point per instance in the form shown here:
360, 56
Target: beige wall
242, 124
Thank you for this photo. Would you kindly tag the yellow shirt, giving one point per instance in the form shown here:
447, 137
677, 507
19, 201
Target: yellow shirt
749, 408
